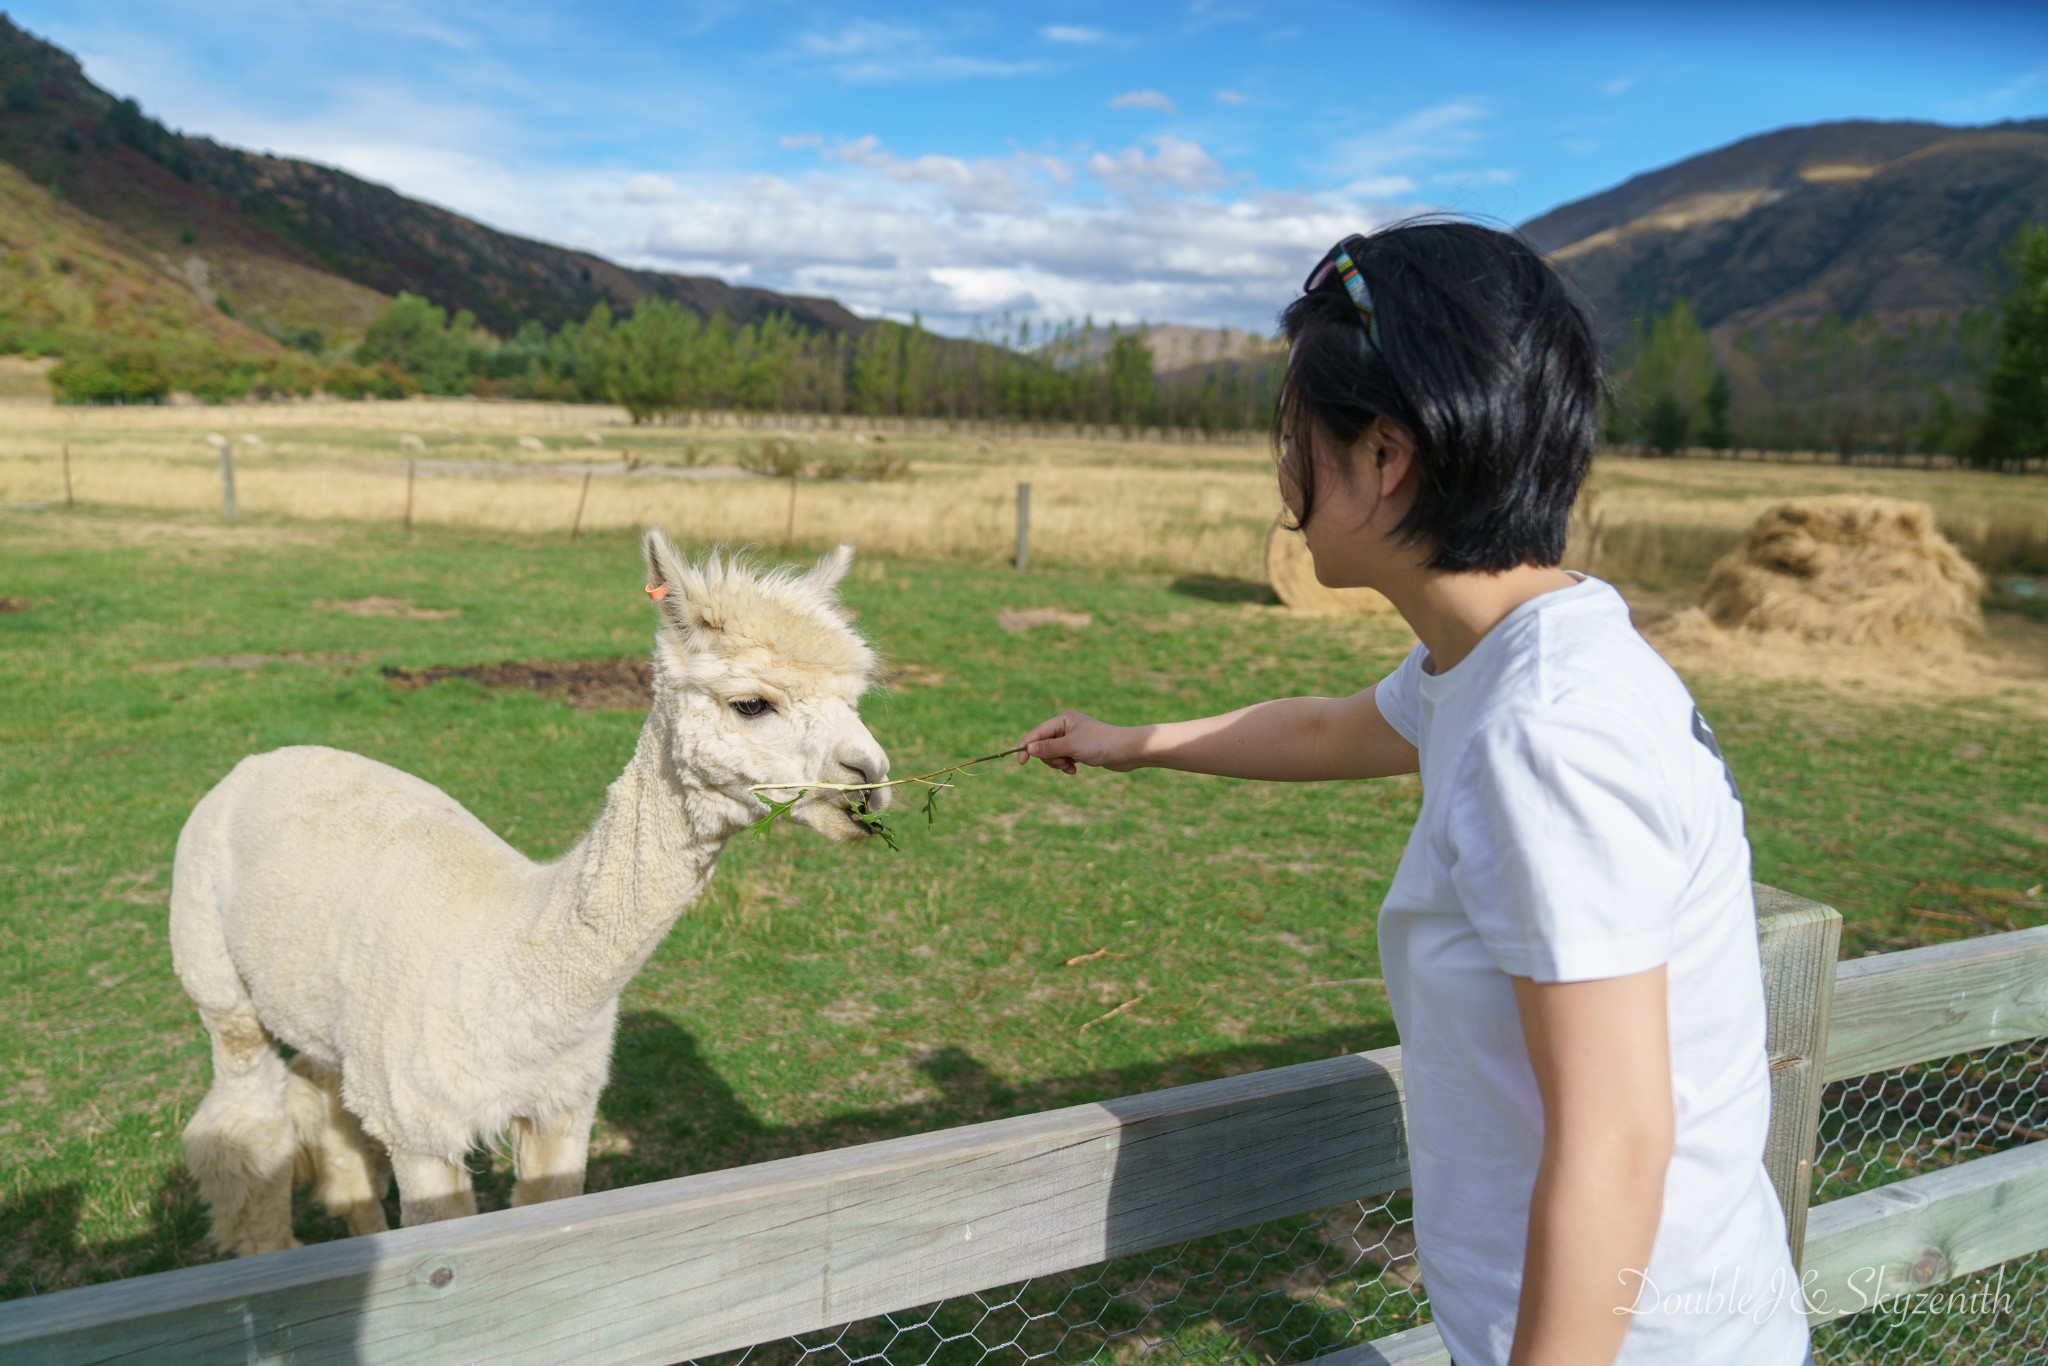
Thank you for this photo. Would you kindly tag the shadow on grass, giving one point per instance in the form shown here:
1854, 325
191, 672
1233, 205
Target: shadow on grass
668, 1113
1224, 590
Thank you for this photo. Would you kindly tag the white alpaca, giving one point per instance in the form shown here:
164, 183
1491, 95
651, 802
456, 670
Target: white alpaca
594, 438
531, 443
439, 986
254, 442
412, 445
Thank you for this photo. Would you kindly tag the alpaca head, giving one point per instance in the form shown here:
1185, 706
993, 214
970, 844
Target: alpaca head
759, 675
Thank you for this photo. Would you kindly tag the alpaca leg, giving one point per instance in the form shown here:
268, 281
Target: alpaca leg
350, 1171
431, 1188
550, 1156
240, 1144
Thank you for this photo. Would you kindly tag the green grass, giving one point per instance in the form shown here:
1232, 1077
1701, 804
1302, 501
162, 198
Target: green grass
817, 996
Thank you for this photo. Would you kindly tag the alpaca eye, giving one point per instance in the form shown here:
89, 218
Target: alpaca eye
751, 706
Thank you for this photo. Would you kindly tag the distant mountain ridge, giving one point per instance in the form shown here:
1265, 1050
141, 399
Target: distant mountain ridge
293, 245
1859, 218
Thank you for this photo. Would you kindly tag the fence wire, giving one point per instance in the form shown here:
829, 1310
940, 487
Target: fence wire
1891, 1125
1290, 1290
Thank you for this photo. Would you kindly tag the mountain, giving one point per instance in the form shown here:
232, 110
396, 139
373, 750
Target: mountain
297, 248
1891, 221
68, 274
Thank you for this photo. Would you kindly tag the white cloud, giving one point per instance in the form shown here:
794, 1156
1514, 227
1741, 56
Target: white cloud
1619, 85
1068, 33
1172, 162
650, 189
1440, 132
790, 142
953, 238
1229, 97
1144, 99
870, 51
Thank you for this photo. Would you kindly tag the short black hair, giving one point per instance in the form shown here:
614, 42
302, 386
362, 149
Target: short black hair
1485, 358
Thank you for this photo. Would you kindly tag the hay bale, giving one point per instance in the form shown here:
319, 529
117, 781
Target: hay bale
1292, 572
1850, 570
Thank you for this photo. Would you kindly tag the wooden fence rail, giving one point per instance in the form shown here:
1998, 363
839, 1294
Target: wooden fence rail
682, 1268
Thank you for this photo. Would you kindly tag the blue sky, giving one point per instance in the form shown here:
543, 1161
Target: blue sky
1175, 162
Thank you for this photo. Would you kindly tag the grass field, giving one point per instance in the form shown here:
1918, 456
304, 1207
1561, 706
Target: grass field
817, 996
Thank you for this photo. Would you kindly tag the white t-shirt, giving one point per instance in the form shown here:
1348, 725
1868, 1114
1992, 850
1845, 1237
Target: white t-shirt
1578, 822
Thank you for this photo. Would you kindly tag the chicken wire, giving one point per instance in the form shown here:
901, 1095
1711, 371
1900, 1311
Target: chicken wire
1888, 1126
1293, 1289
1285, 1290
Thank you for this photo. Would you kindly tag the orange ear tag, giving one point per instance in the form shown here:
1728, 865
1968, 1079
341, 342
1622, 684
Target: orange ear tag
657, 591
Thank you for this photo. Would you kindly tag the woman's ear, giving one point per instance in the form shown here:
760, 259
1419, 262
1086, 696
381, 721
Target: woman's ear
1393, 454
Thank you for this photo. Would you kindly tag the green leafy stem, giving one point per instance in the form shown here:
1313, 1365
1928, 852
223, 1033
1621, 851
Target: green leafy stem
937, 781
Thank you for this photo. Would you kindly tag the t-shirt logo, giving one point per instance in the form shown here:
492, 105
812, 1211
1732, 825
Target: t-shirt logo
1704, 733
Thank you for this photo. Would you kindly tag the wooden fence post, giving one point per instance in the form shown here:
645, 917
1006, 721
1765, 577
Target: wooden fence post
411, 471
576, 526
1798, 941
1023, 524
67, 474
227, 476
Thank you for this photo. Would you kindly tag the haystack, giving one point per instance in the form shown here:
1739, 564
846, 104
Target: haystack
1292, 572
1847, 569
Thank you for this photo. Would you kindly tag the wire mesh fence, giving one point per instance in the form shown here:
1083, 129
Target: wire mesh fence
1286, 1290
1891, 1125
1290, 1290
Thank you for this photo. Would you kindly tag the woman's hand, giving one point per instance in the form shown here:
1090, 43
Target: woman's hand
1071, 739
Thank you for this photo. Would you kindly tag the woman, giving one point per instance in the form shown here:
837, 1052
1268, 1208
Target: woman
1569, 944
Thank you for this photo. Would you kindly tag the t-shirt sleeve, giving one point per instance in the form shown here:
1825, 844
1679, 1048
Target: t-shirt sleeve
1566, 850
1395, 696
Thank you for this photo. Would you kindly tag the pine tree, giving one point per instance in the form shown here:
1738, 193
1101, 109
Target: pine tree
2016, 391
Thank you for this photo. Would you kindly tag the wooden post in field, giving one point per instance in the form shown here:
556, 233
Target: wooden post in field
789, 525
227, 476
576, 527
1798, 941
1023, 524
67, 474
412, 467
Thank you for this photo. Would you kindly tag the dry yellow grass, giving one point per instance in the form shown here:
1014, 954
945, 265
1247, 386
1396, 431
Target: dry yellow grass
1161, 507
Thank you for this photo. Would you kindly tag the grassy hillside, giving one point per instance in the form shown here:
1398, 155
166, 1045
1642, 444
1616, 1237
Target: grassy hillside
297, 247
68, 281
1892, 221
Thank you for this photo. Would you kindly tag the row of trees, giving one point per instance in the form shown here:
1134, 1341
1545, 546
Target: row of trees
662, 358
1973, 385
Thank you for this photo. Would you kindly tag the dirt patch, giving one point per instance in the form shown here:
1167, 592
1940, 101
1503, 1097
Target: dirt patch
388, 607
1021, 619
14, 605
625, 684
912, 676
256, 662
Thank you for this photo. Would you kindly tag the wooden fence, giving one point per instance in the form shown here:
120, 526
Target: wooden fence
678, 1269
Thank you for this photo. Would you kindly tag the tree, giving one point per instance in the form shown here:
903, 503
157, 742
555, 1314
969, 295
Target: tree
1665, 424
1714, 433
421, 340
1668, 379
647, 359
2015, 423
1131, 387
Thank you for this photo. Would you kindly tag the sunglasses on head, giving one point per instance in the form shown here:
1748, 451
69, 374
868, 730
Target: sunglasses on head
1337, 262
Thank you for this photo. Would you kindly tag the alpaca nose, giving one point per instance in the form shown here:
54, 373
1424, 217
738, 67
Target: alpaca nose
867, 766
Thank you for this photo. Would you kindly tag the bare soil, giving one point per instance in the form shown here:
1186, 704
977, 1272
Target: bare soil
624, 684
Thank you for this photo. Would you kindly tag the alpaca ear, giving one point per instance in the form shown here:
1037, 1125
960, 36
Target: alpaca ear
832, 567
673, 585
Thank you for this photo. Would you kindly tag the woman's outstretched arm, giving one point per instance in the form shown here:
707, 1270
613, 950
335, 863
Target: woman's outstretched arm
1289, 740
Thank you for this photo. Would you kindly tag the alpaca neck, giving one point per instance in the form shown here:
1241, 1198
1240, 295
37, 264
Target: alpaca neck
616, 895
